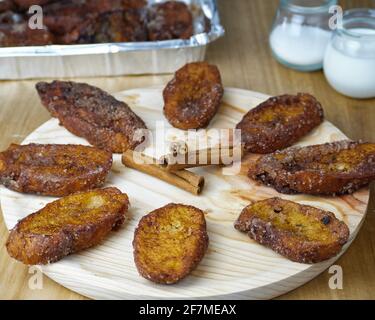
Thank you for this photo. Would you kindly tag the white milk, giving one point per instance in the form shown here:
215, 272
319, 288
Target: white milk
299, 45
351, 71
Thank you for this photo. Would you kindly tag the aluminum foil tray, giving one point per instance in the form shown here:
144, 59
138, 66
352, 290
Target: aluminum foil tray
112, 59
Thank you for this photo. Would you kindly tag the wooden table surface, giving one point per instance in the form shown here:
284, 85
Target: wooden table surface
244, 59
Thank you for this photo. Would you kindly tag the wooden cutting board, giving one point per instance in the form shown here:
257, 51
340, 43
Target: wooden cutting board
235, 267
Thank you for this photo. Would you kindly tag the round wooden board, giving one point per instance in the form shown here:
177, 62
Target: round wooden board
235, 267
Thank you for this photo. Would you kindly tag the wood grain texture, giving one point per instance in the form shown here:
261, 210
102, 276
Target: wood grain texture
234, 266
245, 61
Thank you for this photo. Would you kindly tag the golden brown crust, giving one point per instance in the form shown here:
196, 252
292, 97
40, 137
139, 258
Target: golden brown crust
169, 20
53, 169
330, 169
170, 242
193, 96
89, 112
279, 122
301, 233
67, 225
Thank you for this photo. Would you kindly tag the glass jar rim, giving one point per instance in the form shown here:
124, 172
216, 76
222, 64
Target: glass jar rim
308, 9
360, 15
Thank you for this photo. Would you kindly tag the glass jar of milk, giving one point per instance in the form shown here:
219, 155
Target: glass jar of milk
349, 62
301, 33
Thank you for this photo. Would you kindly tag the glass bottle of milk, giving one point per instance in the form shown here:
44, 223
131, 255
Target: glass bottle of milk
301, 33
349, 62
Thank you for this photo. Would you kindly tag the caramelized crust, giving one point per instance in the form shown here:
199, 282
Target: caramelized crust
53, 169
67, 225
170, 242
301, 233
93, 114
279, 122
331, 169
193, 96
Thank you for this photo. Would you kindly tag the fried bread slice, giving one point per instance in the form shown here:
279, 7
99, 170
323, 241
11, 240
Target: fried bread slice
170, 242
169, 20
279, 122
330, 169
67, 225
93, 114
193, 96
53, 169
299, 232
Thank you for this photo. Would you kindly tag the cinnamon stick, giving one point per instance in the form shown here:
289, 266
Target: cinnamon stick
183, 179
199, 158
